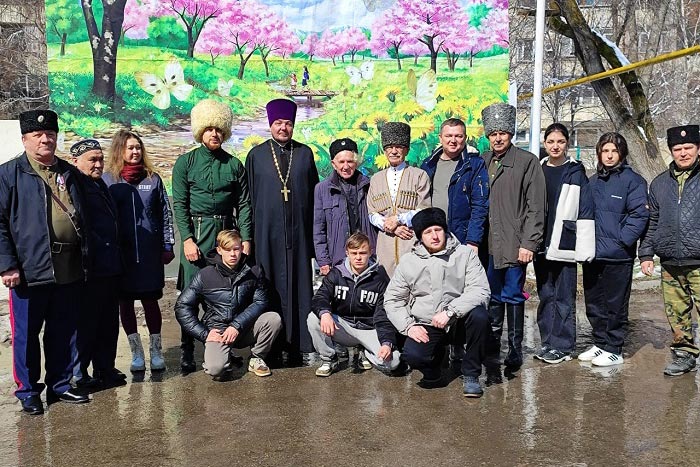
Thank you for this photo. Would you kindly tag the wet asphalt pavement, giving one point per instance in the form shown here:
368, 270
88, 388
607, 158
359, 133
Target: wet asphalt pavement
558, 415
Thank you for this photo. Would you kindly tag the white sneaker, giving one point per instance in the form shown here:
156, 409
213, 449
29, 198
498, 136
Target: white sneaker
590, 354
327, 368
607, 359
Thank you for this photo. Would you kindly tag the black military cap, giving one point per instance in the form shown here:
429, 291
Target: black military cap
682, 135
38, 120
344, 144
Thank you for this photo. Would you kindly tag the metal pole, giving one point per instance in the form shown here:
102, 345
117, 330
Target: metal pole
616, 71
536, 110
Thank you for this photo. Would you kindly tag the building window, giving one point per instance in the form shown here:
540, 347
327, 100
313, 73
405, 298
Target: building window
587, 96
594, 3
525, 50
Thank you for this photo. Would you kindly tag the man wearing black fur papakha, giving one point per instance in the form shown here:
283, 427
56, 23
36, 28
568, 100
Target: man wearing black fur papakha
282, 176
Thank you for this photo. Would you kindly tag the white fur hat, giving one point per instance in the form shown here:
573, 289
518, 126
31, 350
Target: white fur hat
210, 113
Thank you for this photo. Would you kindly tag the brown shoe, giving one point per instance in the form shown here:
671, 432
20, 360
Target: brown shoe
258, 366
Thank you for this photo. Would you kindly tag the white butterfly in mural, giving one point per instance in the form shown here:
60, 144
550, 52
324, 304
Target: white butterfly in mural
61, 141
173, 82
364, 72
224, 87
424, 89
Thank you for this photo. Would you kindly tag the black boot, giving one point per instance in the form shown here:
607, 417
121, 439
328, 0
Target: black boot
496, 313
187, 363
515, 315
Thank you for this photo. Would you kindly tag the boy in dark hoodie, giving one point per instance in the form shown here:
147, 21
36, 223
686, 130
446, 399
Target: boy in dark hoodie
348, 309
235, 298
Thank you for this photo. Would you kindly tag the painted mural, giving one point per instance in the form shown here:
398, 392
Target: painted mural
351, 65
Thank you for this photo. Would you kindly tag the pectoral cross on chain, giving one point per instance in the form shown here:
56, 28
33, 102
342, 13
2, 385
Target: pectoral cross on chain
285, 192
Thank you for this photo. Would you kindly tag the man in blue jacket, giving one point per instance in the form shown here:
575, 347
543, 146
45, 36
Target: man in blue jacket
42, 260
236, 301
674, 236
460, 187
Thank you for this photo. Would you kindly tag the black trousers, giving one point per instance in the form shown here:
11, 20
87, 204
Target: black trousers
98, 326
607, 289
556, 313
427, 357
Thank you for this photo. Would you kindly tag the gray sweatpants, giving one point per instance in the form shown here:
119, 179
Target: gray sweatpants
259, 339
348, 336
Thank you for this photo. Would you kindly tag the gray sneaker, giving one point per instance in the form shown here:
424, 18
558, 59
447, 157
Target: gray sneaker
682, 362
472, 388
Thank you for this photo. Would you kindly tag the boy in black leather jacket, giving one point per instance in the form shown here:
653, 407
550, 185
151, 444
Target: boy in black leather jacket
235, 298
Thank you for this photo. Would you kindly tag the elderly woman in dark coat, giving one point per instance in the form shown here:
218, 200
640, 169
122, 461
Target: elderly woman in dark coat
146, 238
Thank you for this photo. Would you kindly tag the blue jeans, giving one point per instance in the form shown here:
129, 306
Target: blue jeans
506, 284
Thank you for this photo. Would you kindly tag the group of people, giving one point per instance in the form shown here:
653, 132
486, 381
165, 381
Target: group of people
417, 262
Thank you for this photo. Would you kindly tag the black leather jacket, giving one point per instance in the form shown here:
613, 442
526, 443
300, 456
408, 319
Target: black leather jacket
231, 298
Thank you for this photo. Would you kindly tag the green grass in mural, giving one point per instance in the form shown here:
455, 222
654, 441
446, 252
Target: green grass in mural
358, 112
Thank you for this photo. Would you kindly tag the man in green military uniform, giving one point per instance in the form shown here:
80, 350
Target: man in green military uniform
210, 194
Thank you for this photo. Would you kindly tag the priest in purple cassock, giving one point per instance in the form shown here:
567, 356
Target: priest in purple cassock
281, 177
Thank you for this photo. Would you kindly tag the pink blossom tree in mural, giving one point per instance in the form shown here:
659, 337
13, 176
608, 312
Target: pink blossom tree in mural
415, 49
194, 15
273, 35
212, 44
352, 40
136, 19
236, 29
496, 26
329, 46
310, 45
388, 35
429, 21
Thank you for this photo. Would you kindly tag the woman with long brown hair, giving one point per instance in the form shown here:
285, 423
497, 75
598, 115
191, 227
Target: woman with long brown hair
146, 237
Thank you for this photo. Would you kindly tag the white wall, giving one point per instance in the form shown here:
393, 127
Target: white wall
10, 139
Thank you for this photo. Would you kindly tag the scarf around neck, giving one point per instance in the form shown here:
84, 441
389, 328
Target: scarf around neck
133, 173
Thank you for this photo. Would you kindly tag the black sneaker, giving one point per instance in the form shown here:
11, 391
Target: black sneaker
541, 353
556, 356
432, 383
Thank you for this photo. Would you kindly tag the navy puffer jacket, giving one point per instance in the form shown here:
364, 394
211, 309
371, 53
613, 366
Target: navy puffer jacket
674, 223
621, 213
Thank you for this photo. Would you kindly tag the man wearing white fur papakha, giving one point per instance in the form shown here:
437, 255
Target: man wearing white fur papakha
210, 194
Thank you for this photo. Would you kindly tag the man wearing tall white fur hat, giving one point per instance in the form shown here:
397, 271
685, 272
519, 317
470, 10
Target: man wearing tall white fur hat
210, 194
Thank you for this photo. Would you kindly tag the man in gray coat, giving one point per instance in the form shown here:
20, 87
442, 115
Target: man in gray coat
436, 284
516, 226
